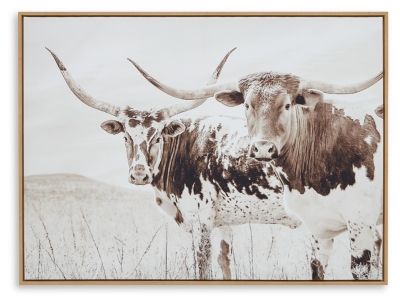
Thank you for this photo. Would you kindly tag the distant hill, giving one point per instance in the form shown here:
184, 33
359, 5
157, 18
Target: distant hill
65, 186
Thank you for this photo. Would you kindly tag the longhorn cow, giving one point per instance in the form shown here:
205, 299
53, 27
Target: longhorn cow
198, 168
330, 163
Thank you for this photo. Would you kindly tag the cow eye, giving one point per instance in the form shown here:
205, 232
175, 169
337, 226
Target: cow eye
246, 105
126, 139
158, 140
287, 106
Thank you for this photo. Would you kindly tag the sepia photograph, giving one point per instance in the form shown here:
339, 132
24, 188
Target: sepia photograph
203, 148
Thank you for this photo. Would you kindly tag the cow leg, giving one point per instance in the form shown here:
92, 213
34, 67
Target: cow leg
377, 249
321, 251
362, 246
225, 252
172, 210
202, 244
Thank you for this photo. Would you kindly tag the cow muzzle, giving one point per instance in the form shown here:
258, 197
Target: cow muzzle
139, 175
263, 150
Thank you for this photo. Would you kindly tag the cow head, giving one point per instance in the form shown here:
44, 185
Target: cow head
272, 103
269, 100
143, 134
144, 131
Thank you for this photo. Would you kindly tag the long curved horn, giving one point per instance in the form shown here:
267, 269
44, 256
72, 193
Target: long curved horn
184, 107
207, 91
81, 94
337, 89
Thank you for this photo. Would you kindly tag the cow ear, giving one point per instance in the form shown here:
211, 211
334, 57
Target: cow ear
173, 128
380, 111
112, 126
311, 97
229, 98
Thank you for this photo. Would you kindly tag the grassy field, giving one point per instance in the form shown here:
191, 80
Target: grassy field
79, 228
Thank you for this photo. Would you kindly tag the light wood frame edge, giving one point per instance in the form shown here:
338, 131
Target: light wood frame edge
21, 15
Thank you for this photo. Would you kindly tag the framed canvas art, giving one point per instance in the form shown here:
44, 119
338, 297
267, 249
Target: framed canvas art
203, 148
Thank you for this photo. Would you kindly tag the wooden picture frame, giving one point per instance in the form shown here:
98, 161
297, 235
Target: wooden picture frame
24, 95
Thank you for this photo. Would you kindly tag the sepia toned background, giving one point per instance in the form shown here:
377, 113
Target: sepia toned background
63, 135
83, 220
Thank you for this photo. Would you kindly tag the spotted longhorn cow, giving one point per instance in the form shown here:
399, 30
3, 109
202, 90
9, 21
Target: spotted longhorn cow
327, 160
199, 170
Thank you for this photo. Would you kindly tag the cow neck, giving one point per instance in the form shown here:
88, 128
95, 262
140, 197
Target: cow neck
324, 147
191, 158
178, 162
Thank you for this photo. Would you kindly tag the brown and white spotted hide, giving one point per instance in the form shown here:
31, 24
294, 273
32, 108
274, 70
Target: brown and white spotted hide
198, 168
202, 176
208, 164
330, 163
316, 144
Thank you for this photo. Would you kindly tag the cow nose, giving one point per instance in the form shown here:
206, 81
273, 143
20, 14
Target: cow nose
263, 150
140, 179
139, 175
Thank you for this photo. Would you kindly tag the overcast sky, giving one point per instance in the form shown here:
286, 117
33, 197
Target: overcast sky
62, 135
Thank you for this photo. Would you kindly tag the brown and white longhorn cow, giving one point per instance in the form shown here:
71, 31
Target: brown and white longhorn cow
199, 170
327, 159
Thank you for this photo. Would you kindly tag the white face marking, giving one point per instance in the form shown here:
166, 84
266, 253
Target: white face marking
143, 148
138, 133
368, 139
